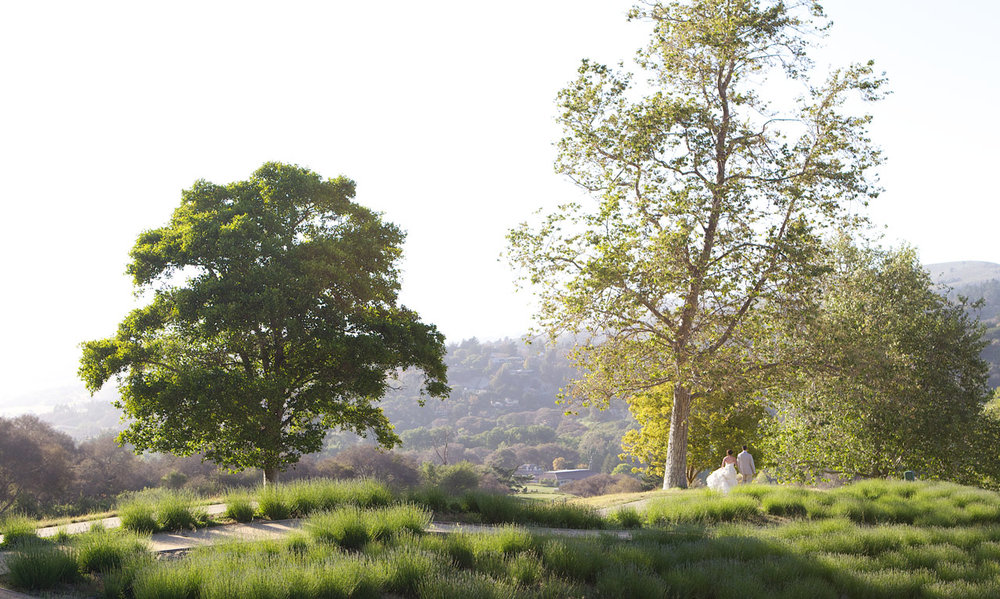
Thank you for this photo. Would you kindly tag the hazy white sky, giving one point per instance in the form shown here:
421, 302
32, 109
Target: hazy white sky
442, 111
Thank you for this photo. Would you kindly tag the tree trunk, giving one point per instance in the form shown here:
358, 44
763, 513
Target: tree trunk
270, 475
675, 470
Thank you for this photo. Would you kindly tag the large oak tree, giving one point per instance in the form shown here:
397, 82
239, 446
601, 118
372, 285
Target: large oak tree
274, 317
714, 176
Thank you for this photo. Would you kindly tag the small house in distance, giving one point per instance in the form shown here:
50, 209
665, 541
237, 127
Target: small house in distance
565, 476
533, 471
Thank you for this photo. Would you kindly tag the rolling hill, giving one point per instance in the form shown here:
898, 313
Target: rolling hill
976, 280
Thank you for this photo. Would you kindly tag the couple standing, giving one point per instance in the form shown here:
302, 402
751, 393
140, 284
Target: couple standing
724, 478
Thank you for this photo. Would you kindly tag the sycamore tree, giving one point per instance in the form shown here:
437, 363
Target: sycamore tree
274, 317
714, 173
717, 422
891, 379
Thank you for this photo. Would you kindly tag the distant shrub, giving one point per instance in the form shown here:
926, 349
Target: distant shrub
458, 478
365, 461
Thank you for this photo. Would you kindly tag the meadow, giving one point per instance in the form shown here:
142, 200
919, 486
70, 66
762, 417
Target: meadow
869, 539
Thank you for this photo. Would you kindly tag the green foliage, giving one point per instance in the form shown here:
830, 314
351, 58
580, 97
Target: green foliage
344, 527
352, 528
175, 512
239, 506
138, 515
626, 517
717, 423
302, 497
457, 478
105, 550
562, 515
273, 504
830, 556
712, 193
41, 566
18, 530
274, 319
891, 379
693, 508
992, 408
161, 510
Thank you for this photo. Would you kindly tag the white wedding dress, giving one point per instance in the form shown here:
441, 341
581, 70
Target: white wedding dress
723, 479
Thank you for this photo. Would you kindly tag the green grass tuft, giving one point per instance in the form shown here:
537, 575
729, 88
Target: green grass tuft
105, 550
35, 567
239, 506
18, 531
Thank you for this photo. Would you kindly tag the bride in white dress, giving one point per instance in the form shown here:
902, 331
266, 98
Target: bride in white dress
724, 479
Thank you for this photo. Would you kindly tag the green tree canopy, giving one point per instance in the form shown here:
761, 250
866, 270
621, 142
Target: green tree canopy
717, 423
274, 317
891, 379
713, 192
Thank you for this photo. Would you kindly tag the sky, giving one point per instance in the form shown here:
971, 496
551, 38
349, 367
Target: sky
442, 111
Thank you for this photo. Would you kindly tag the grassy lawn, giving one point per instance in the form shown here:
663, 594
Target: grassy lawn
872, 539
544, 493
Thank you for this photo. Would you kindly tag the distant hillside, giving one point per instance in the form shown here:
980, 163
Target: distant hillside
976, 280
964, 273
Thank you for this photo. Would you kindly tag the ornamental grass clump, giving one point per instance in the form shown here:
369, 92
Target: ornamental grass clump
524, 569
467, 585
175, 511
391, 521
434, 498
351, 527
345, 527
239, 506
505, 540
492, 508
41, 566
105, 550
786, 502
405, 567
138, 515
575, 559
626, 517
702, 508
18, 531
629, 581
175, 579
273, 503
562, 515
